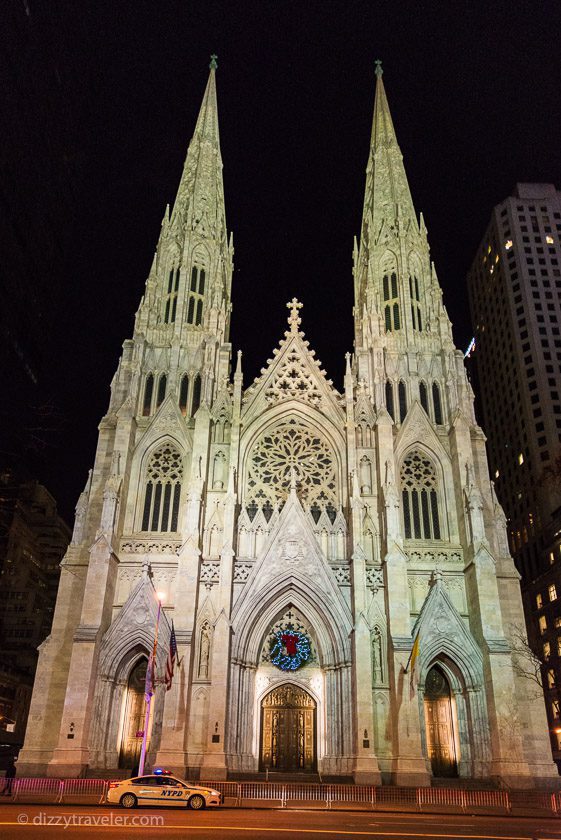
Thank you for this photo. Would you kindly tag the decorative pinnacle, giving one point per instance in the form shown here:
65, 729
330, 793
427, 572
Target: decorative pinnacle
294, 319
379, 72
213, 62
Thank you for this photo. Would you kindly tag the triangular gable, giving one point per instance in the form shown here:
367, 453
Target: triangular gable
417, 428
167, 420
135, 625
291, 554
293, 374
441, 630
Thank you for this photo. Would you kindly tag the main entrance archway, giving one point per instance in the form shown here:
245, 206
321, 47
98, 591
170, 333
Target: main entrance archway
441, 741
288, 730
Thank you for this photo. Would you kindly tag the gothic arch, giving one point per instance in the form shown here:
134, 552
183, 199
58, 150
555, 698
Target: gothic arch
417, 433
146, 447
252, 620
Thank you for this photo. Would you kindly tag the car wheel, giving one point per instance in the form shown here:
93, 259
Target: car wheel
197, 802
128, 800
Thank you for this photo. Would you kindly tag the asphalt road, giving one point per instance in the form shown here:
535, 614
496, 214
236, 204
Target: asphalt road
44, 821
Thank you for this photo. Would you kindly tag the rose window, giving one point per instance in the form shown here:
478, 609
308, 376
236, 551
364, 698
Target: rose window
291, 449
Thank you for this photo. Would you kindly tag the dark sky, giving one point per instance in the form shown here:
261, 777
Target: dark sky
474, 90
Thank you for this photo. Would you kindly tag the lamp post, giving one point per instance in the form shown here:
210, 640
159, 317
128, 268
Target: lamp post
149, 685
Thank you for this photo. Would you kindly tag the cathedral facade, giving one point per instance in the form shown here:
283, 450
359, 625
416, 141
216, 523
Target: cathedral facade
303, 541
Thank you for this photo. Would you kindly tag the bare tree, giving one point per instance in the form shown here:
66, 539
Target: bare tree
526, 661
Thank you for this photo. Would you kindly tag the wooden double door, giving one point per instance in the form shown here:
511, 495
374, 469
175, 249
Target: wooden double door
288, 730
441, 742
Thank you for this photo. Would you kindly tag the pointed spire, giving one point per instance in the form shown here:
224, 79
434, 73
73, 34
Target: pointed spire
207, 121
390, 194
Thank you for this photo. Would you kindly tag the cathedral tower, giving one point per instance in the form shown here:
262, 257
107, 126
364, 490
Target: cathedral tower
302, 538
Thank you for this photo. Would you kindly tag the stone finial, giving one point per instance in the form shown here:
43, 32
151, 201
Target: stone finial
213, 62
379, 72
294, 319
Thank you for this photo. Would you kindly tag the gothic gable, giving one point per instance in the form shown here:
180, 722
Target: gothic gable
134, 627
167, 420
291, 561
417, 428
441, 631
293, 374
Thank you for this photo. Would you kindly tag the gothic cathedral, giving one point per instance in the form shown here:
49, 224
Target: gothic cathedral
302, 541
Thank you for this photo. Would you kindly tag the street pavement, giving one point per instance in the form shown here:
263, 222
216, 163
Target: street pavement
33, 822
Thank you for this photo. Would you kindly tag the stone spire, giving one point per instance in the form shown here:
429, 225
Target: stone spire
200, 196
190, 281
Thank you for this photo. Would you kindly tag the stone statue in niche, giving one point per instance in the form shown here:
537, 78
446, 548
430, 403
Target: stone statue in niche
377, 657
204, 652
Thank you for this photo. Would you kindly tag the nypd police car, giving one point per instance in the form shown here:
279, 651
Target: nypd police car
161, 789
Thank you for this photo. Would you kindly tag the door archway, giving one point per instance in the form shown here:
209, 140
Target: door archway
134, 717
288, 730
439, 717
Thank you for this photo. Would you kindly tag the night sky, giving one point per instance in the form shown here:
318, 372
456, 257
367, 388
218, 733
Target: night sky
474, 90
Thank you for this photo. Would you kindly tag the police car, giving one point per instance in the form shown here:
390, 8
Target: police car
161, 789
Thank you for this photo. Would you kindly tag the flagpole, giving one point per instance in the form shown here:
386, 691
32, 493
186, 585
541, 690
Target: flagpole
150, 692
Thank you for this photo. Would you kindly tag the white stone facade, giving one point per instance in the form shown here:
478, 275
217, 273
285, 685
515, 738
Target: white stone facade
364, 519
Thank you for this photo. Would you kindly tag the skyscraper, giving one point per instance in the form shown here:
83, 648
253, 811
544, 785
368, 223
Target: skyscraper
515, 295
304, 538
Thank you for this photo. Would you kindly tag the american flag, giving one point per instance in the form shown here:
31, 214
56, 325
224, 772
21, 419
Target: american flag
172, 655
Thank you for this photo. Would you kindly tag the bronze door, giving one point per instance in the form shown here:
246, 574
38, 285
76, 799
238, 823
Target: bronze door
135, 711
441, 744
288, 730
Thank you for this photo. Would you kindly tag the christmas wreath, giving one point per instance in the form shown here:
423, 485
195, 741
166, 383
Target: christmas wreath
289, 649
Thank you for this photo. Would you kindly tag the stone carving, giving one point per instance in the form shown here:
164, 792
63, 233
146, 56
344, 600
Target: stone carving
342, 575
210, 573
204, 651
151, 547
242, 571
374, 578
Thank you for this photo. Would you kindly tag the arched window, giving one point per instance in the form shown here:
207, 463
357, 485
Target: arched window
424, 397
163, 489
196, 296
402, 395
171, 297
415, 303
148, 391
419, 494
162, 384
436, 403
389, 399
196, 395
183, 394
391, 302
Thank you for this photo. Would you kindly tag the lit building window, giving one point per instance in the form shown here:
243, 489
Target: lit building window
555, 708
557, 621
559, 645
539, 601
497, 473
546, 651
508, 244
520, 457
551, 678
542, 624
551, 558
549, 240
552, 592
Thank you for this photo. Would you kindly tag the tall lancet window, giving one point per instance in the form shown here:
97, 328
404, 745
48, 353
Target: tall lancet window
148, 391
196, 296
389, 399
419, 496
162, 490
171, 297
436, 403
415, 303
183, 394
391, 302
196, 395
162, 385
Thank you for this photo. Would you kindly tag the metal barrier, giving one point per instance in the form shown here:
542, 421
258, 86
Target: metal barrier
96, 788
395, 798
37, 787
